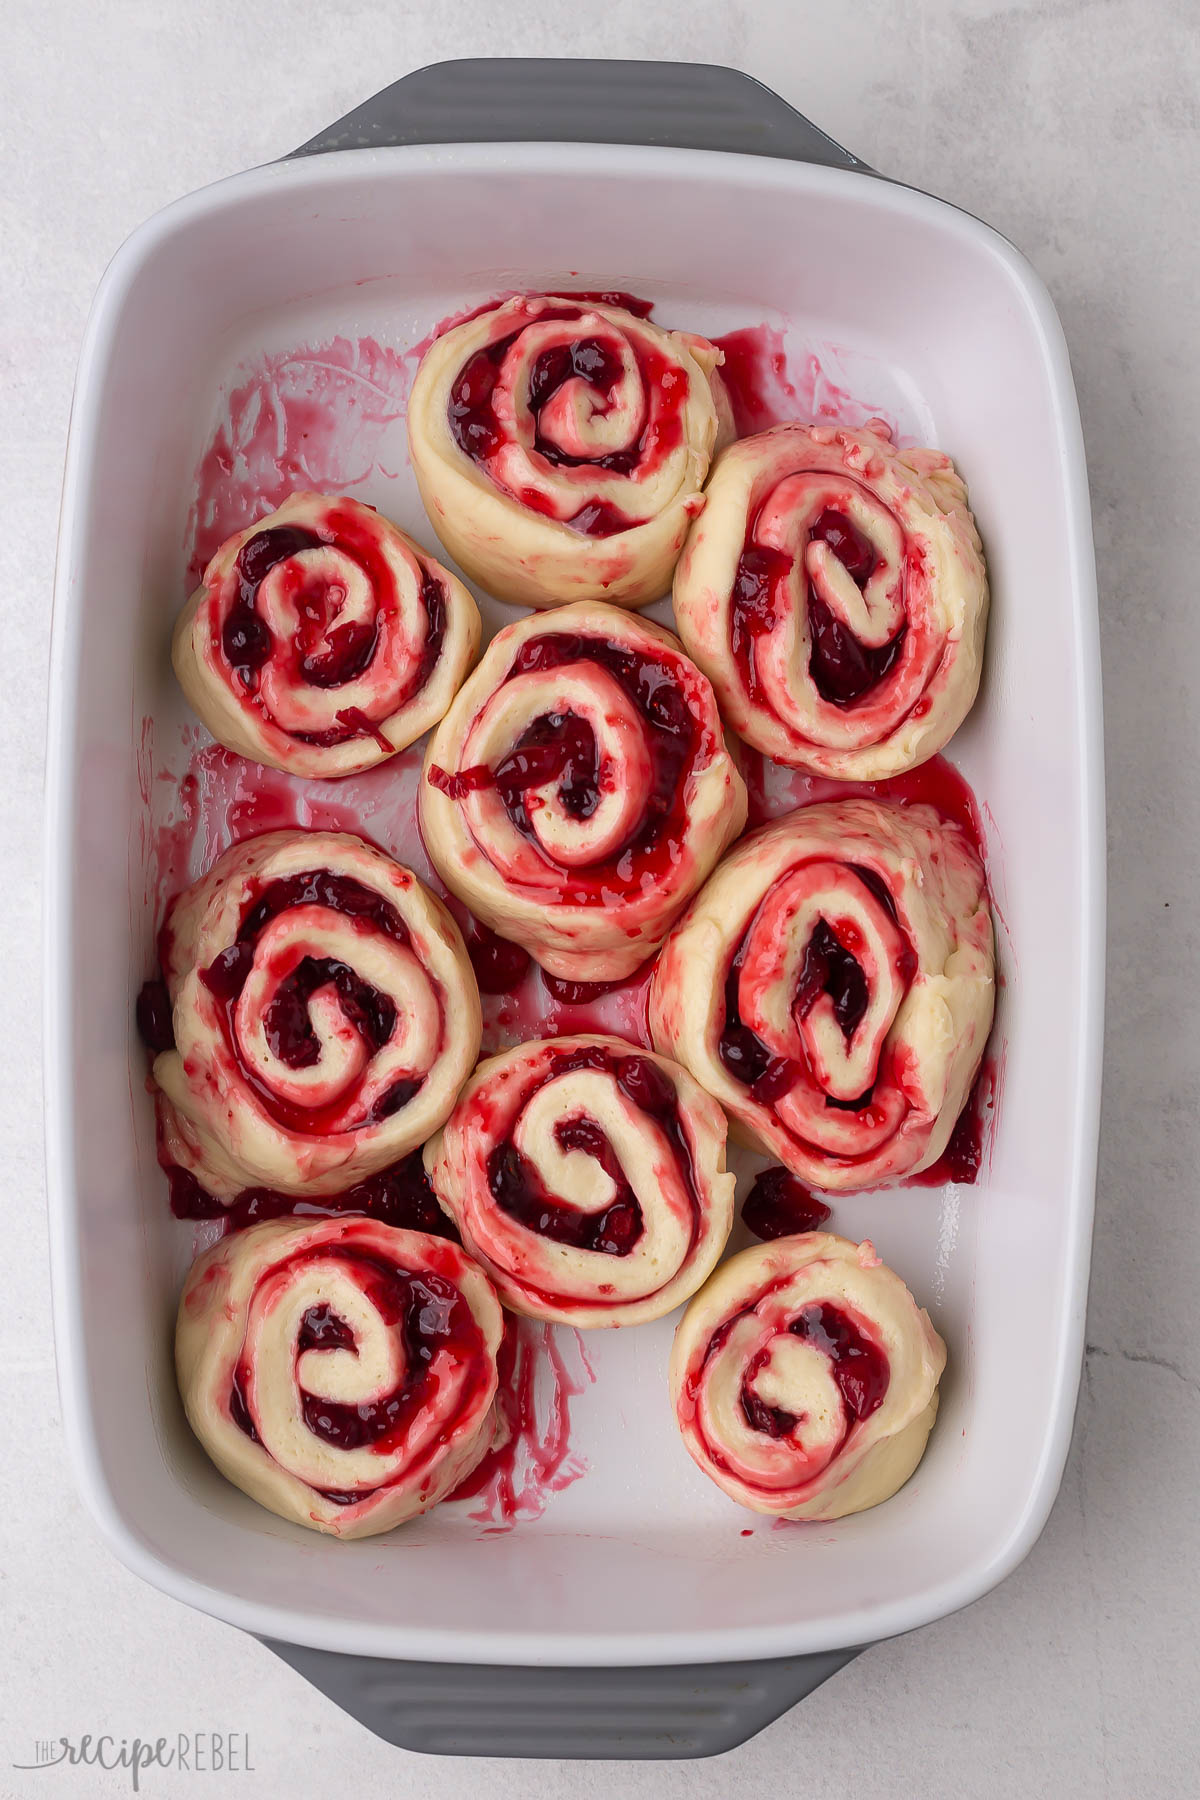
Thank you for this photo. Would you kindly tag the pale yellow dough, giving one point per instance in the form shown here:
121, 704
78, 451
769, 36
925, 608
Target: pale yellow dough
215, 1123
923, 1049
519, 1095
735, 1334
532, 557
269, 725
524, 890
240, 1314
929, 584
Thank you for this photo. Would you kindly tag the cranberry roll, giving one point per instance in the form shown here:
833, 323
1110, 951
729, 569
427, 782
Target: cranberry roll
805, 1378
325, 1016
835, 594
561, 448
579, 791
833, 987
588, 1178
323, 639
339, 1371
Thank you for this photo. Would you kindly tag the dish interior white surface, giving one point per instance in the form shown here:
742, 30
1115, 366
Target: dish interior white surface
922, 313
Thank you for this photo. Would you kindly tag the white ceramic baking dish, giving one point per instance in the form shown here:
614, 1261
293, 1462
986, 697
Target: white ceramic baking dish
642, 1565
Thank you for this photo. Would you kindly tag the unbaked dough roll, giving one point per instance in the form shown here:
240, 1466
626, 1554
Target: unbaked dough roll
323, 639
561, 446
339, 1371
324, 1011
588, 1178
805, 1378
834, 592
579, 791
832, 986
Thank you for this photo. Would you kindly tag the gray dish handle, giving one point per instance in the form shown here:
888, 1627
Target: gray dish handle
616, 1715
468, 1709
558, 100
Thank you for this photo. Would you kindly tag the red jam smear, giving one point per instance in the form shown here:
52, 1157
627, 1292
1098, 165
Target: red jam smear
480, 435
558, 746
531, 1458
519, 1191
842, 669
400, 1195
432, 1317
860, 1369
779, 1205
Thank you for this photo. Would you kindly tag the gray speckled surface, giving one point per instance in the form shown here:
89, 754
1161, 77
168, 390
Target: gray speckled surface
1072, 126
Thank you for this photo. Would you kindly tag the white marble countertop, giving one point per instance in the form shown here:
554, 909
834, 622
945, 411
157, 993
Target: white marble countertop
1071, 125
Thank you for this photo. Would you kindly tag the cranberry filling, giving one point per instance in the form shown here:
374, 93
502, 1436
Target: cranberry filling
842, 669
860, 1369
778, 1205
153, 1013
559, 746
479, 435
289, 1032
352, 647
322, 1329
581, 993
317, 887
347, 649
431, 1315
829, 968
518, 1189
400, 1195
499, 966
245, 638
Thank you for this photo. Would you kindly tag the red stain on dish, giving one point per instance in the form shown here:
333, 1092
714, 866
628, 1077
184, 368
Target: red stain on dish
768, 387
542, 1369
775, 790
322, 416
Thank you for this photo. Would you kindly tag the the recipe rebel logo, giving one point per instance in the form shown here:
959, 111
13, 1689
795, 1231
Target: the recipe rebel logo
197, 1753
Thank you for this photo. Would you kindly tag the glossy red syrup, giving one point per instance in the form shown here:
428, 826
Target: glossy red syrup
757, 380
519, 1191
480, 435
778, 1205
400, 1195
860, 1369
775, 790
558, 746
542, 1369
500, 967
842, 669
